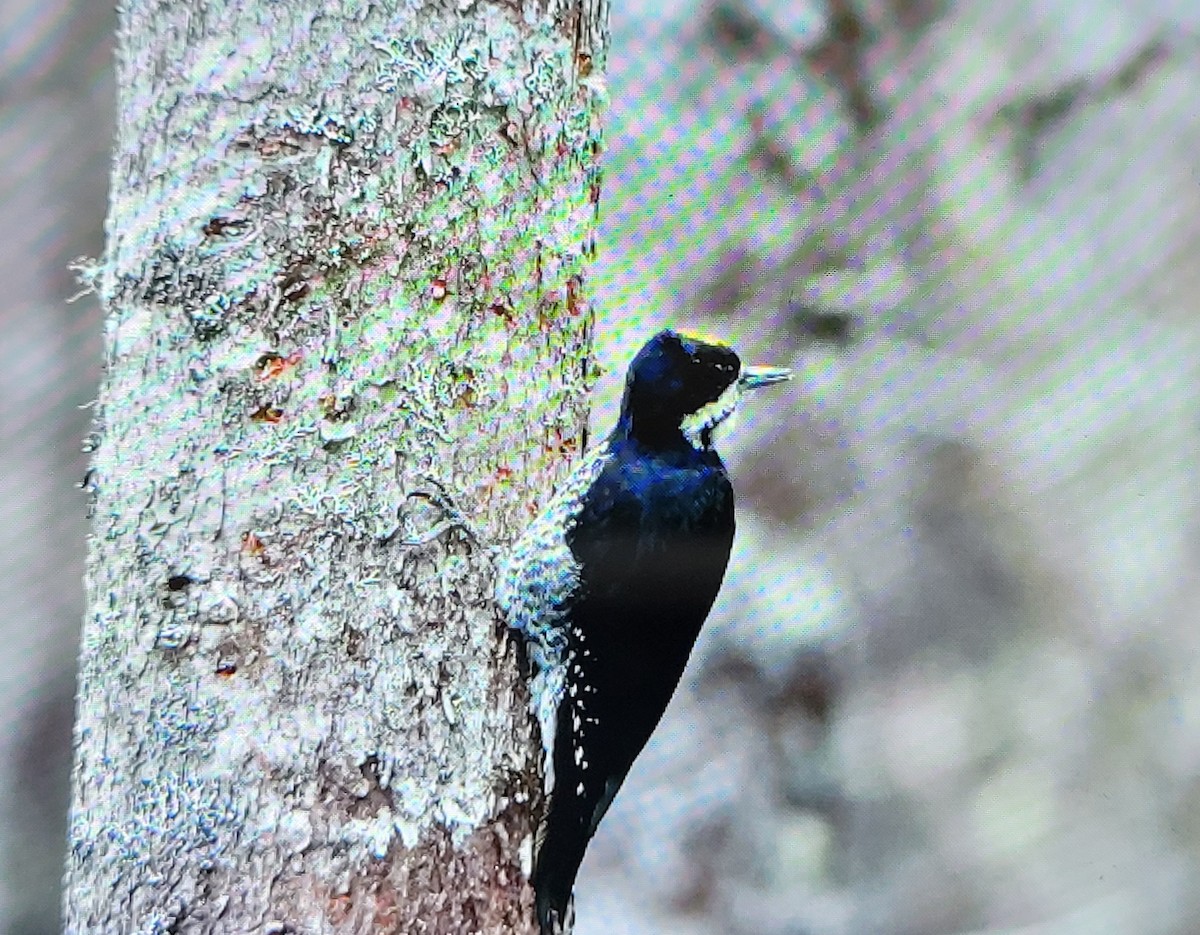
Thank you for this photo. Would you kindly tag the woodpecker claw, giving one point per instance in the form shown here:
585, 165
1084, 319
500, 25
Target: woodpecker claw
455, 518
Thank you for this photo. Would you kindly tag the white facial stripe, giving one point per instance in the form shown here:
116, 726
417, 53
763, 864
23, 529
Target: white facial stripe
712, 415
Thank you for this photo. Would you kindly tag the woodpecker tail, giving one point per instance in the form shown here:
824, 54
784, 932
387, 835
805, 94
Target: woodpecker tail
556, 913
555, 865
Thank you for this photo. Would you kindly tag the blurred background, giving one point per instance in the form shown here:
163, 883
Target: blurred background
951, 685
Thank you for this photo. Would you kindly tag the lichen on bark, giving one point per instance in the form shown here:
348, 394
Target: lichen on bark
346, 266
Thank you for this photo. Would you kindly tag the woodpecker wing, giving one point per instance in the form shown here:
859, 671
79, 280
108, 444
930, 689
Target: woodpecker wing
610, 586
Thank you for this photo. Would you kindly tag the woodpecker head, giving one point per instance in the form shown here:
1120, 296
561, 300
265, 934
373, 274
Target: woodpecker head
678, 383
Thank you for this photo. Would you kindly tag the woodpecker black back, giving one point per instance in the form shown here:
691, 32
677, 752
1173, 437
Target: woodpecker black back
611, 584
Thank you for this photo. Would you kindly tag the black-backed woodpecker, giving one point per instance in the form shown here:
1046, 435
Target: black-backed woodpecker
610, 585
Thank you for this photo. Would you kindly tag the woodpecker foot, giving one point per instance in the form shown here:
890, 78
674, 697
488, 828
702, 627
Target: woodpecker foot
452, 517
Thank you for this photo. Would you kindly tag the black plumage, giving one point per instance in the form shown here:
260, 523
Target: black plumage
611, 585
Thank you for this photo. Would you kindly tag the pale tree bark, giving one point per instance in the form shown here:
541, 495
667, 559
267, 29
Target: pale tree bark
345, 265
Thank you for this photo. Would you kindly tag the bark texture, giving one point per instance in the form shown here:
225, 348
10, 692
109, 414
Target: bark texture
345, 267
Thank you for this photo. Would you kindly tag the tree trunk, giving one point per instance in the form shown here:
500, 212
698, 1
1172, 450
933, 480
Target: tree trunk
345, 263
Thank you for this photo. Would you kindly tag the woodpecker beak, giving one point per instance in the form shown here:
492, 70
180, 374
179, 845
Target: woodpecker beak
754, 377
